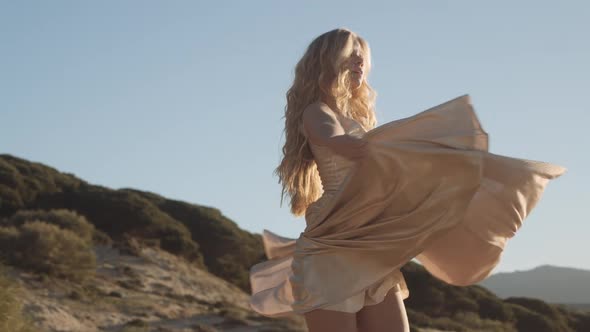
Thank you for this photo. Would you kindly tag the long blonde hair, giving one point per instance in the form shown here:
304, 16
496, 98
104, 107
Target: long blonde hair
320, 71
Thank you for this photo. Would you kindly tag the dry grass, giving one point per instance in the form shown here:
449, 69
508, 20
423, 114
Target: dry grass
11, 315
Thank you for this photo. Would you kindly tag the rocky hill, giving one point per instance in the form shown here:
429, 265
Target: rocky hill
147, 289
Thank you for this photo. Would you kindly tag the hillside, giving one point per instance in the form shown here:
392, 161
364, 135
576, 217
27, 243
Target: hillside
150, 290
92, 258
200, 234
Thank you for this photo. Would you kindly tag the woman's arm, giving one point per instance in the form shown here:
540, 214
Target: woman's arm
323, 128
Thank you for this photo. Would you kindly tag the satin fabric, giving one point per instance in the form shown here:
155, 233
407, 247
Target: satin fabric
333, 170
428, 188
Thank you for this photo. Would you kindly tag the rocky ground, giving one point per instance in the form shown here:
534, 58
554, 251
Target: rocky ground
154, 291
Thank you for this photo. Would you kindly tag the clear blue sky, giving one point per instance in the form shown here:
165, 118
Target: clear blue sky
185, 98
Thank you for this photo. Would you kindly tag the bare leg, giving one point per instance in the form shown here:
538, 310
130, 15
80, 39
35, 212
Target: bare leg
387, 316
320, 320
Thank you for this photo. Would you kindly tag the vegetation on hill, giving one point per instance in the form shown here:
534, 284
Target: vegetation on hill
433, 303
11, 314
54, 242
228, 251
200, 234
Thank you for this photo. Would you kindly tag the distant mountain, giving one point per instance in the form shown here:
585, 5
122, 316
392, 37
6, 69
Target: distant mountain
550, 283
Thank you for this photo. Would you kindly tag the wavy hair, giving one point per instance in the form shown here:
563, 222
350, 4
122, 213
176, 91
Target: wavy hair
320, 72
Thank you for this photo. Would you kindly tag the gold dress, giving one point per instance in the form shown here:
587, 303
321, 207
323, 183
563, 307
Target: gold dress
427, 189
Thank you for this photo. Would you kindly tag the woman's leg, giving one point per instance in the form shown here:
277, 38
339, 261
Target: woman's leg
387, 316
320, 320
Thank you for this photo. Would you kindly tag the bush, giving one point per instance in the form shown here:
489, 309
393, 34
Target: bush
550, 313
63, 218
9, 236
101, 238
418, 318
528, 320
429, 299
448, 324
120, 213
10, 200
46, 248
23, 181
495, 309
473, 322
464, 304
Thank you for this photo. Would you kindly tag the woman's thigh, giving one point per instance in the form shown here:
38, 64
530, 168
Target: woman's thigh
387, 316
320, 320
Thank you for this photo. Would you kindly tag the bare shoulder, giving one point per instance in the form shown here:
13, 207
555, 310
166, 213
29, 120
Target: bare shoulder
318, 111
321, 124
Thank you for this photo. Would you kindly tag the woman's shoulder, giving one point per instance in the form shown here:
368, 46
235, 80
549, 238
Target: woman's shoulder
319, 112
319, 108
320, 120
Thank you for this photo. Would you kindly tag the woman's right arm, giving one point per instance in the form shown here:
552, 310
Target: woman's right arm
323, 128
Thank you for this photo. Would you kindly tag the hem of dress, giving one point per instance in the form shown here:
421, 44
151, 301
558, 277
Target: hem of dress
396, 287
405, 294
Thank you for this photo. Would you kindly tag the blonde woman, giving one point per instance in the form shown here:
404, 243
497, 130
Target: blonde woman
373, 198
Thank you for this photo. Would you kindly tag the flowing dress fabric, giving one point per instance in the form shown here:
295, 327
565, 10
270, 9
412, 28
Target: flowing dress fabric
427, 189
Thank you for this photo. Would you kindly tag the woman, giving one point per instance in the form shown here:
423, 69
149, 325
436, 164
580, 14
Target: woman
374, 198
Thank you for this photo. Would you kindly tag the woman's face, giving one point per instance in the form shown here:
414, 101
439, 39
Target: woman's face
356, 65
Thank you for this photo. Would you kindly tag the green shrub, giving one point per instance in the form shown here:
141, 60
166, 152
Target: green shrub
528, 320
418, 318
448, 324
46, 248
121, 213
473, 322
464, 304
10, 200
101, 238
63, 218
429, 299
549, 312
9, 237
23, 181
495, 309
